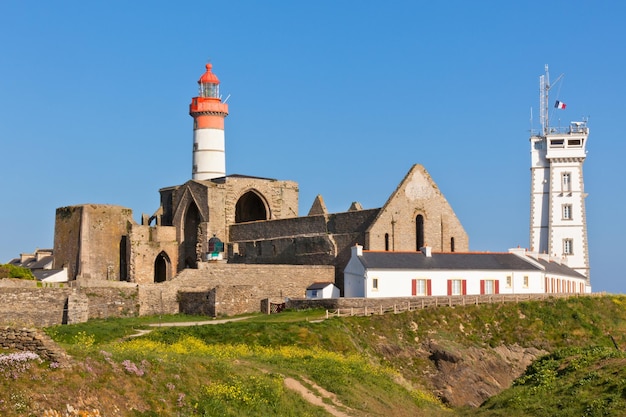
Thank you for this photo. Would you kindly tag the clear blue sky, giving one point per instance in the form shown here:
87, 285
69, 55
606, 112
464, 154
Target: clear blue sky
340, 96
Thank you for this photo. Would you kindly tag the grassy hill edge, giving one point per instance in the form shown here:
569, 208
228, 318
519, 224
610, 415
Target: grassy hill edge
377, 365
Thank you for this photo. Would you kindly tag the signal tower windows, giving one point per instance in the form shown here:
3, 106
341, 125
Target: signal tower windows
566, 182
567, 212
568, 247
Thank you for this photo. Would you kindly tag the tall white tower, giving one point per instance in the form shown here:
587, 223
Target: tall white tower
208, 112
558, 223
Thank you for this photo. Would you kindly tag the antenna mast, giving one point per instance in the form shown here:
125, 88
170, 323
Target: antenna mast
544, 90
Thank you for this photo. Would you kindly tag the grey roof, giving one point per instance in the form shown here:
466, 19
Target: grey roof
45, 273
319, 285
559, 269
32, 262
445, 261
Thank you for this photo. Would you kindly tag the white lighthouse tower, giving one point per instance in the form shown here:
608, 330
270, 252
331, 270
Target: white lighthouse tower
208, 112
558, 223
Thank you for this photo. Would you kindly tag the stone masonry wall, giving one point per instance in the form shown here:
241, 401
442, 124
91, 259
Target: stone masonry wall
33, 306
38, 307
32, 340
87, 240
229, 281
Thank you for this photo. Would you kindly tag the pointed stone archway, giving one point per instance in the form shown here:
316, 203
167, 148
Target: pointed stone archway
162, 267
250, 207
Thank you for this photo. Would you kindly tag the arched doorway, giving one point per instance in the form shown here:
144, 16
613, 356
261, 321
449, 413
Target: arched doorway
161, 267
250, 207
190, 235
419, 232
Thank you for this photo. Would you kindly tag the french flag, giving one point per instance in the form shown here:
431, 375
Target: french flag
559, 105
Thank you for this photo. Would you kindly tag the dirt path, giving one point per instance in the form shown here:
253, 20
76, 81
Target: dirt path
317, 398
186, 324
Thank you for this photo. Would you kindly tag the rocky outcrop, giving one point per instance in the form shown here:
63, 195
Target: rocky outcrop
470, 375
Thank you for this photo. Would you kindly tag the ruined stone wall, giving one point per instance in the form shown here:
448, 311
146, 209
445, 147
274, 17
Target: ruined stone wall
238, 299
146, 243
217, 202
310, 240
26, 304
417, 195
159, 299
67, 239
281, 197
106, 301
38, 307
32, 340
214, 289
188, 291
273, 229
87, 239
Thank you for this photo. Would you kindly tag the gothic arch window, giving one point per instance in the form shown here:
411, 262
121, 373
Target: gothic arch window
250, 207
190, 233
419, 232
387, 242
452, 244
124, 254
161, 267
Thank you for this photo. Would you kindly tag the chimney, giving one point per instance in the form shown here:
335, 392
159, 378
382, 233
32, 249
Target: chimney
357, 250
427, 251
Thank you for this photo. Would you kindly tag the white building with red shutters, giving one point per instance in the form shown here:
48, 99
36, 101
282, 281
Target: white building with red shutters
376, 274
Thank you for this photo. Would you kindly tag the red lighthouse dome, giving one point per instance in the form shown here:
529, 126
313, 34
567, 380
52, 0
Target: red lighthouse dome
209, 83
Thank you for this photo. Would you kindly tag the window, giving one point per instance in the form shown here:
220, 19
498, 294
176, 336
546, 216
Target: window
567, 212
451, 244
375, 284
566, 182
525, 281
421, 287
419, 232
509, 281
568, 246
387, 242
314, 293
489, 286
457, 287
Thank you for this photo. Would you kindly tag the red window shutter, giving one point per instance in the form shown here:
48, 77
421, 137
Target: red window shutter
496, 286
414, 287
464, 284
449, 287
482, 286
429, 287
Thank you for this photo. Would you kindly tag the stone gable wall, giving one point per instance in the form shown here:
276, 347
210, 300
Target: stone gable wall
417, 195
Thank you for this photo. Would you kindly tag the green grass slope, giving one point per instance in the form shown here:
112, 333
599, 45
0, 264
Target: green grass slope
393, 364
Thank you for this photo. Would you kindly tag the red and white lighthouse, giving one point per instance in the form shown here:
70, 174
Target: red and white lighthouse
208, 112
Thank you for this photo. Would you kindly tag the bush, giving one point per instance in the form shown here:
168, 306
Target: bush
12, 271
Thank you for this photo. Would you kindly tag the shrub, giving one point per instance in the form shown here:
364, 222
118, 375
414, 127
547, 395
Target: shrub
12, 271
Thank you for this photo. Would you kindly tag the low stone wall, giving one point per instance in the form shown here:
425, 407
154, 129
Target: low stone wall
215, 289
32, 306
32, 340
229, 289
